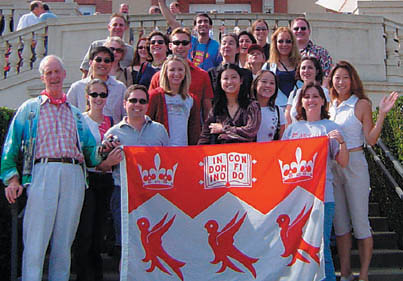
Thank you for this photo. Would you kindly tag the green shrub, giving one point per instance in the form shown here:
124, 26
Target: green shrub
5, 219
392, 133
382, 190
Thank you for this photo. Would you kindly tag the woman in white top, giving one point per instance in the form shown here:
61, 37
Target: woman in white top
172, 105
91, 230
352, 110
313, 122
309, 70
264, 89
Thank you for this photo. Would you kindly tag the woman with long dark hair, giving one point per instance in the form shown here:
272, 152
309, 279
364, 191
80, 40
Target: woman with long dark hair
264, 89
234, 116
351, 109
309, 70
141, 56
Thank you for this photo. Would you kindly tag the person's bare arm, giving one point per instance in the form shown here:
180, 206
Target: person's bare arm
171, 20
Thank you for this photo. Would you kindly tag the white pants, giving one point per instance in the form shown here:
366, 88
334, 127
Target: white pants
55, 198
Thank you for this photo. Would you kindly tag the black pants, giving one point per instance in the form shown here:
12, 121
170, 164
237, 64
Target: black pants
91, 230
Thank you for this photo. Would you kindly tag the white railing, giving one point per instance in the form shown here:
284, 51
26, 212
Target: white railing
23, 49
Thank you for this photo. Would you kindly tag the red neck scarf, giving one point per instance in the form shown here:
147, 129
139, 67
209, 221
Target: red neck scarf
54, 100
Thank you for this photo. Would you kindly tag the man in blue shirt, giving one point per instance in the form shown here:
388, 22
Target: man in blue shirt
205, 51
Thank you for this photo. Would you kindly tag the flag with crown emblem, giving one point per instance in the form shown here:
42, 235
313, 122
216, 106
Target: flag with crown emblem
251, 211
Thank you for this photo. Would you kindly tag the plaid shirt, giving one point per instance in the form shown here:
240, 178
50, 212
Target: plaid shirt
321, 54
57, 134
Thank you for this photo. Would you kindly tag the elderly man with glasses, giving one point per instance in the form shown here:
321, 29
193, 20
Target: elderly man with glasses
56, 145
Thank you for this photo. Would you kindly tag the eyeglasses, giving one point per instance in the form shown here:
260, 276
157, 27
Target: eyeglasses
303, 28
119, 50
183, 42
136, 100
106, 60
281, 41
260, 29
141, 47
159, 42
95, 94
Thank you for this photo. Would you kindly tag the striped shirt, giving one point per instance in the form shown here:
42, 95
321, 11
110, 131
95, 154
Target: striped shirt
57, 134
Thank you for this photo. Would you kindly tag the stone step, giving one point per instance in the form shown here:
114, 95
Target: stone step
374, 209
380, 274
381, 258
382, 240
379, 223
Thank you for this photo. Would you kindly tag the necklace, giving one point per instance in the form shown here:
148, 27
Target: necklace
157, 65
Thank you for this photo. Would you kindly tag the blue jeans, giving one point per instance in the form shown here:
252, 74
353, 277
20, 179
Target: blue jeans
327, 229
116, 212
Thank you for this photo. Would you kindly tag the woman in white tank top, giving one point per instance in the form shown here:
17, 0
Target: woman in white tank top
352, 110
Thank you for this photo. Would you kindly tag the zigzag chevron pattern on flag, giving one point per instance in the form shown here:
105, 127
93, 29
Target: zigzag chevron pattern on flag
224, 212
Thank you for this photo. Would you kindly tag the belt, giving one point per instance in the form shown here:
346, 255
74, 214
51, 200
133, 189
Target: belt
58, 160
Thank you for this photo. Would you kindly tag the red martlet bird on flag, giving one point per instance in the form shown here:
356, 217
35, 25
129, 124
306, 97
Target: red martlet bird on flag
291, 235
152, 244
222, 244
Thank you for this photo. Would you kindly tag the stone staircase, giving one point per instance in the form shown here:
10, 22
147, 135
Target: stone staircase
387, 259
386, 263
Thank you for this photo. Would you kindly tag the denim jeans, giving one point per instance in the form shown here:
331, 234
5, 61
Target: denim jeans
327, 229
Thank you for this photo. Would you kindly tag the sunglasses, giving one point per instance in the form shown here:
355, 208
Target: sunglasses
119, 50
302, 28
106, 60
183, 42
136, 100
141, 47
95, 94
260, 29
281, 41
159, 42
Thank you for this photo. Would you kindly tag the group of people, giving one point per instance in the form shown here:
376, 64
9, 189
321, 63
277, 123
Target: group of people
179, 90
39, 12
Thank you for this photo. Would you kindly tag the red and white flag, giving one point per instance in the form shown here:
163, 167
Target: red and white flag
224, 212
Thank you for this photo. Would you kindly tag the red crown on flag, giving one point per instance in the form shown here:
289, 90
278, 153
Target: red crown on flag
156, 177
298, 171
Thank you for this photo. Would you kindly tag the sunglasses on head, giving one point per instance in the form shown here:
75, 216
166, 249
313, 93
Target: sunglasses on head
136, 100
303, 28
281, 41
159, 42
106, 60
183, 42
95, 94
119, 50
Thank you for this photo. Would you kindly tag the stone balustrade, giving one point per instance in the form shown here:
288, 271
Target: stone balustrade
373, 44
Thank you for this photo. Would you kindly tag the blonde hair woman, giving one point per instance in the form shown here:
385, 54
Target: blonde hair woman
118, 47
284, 58
172, 105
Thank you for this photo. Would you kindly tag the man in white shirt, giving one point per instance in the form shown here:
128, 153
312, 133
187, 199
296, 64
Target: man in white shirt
100, 60
31, 18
